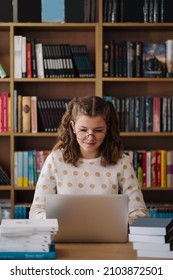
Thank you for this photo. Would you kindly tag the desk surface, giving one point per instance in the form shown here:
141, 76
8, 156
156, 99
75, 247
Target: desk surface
95, 251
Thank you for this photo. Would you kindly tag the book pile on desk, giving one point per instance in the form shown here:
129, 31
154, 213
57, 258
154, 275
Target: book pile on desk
152, 237
27, 239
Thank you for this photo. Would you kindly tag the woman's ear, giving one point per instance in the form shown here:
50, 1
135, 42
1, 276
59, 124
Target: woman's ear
72, 125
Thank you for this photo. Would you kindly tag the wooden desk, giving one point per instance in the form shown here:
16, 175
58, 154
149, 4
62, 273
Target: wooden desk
95, 251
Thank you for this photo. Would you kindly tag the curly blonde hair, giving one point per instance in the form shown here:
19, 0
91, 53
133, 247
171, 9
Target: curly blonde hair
92, 106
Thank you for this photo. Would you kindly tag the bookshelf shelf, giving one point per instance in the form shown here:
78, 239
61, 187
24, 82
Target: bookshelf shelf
5, 188
56, 80
139, 80
164, 189
93, 35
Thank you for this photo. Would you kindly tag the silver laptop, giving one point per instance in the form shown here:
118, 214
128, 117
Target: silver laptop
89, 218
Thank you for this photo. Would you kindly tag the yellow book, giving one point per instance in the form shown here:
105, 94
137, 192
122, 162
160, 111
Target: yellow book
26, 114
163, 168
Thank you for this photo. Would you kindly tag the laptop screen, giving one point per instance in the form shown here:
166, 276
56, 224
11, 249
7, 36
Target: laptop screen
89, 218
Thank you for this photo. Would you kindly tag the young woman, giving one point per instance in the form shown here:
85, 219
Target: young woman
88, 158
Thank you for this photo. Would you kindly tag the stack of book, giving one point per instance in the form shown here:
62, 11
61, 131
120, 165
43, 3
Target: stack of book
152, 237
27, 239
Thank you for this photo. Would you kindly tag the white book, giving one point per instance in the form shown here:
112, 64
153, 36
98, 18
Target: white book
17, 56
28, 226
155, 254
147, 238
25, 248
39, 60
152, 246
23, 57
31, 239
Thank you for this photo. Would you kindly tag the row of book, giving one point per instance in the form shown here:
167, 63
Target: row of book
138, 59
153, 168
27, 239
147, 11
160, 210
48, 11
37, 60
5, 103
27, 167
152, 237
144, 113
32, 114
21, 211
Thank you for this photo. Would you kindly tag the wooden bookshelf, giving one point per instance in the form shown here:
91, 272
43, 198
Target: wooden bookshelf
93, 35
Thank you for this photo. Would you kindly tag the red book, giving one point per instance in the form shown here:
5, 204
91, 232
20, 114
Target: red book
158, 168
0, 114
144, 168
4, 111
156, 114
28, 60
153, 168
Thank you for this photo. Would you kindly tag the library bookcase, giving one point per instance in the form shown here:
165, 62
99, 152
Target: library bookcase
94, 35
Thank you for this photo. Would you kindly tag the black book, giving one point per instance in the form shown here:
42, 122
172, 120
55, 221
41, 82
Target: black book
4, 178
27, 11
166, 10
6, 10
132, 11
74, 11
34, 63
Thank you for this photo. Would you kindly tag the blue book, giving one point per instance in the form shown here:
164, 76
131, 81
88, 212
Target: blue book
52, 11
30, 255
20, 169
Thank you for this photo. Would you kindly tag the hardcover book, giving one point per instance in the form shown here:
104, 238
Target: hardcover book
151, 226
129, 13
155, 254
169, 58
154, 60
27, 11
153, 246
74, 11
26, 114
6, 10
51, 254
52, 10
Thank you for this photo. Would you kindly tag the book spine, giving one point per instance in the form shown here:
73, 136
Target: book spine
34, 121
17, 56
25, 169
169, 168
20, 169
106, 60
39, 60
30, 168
163, 168
4, 111
158, 168
28, 60
144, 168
24, 71
148, 164
156, 114
19, 113
26, 114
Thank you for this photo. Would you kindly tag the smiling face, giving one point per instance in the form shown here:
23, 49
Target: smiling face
90, 133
